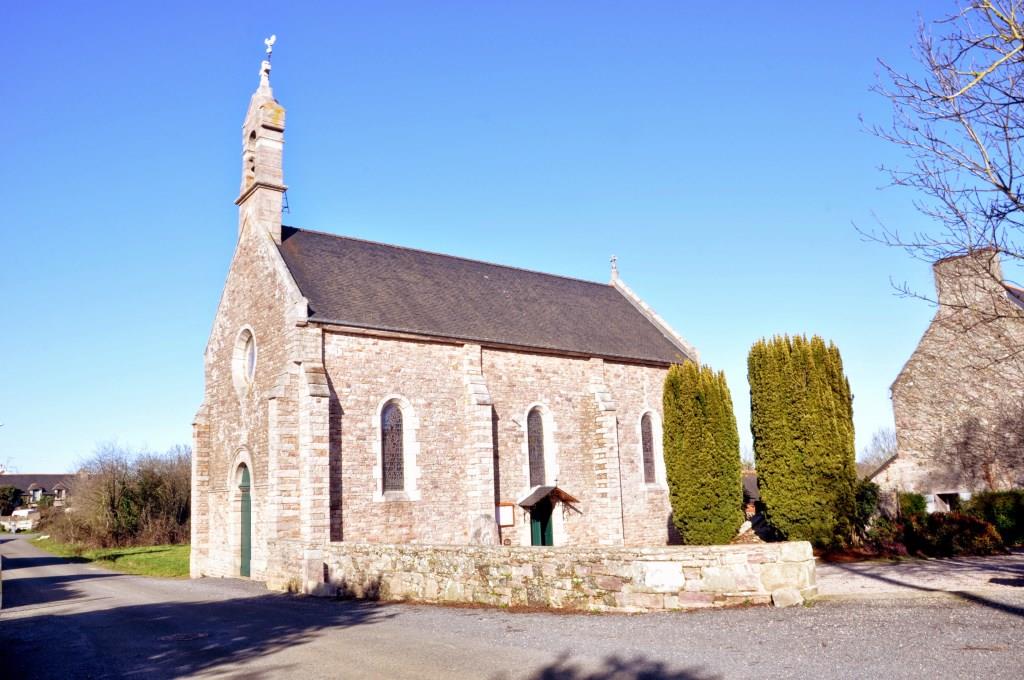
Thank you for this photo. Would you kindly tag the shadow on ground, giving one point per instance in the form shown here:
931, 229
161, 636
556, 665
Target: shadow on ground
1014, 575
40, 590
12, 563
170, 640
616, 668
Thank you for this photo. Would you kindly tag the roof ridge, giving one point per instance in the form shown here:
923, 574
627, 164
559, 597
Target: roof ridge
453, 257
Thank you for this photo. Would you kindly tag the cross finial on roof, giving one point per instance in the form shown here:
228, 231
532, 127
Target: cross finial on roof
265, 66
615, 267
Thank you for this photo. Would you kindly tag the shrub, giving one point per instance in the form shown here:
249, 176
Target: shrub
1003, 509
802, 423
886, 536
702, 455
913, 505
9, 497
952, 534
865, 506
123, 498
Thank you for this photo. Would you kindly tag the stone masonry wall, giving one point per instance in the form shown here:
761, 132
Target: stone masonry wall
590, 579
233, 427
470, 405
645, 507
959, 400
594, 408
364, 372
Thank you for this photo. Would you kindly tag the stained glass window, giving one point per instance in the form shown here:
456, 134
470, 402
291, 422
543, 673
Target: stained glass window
647, 441
391, 443
535, 443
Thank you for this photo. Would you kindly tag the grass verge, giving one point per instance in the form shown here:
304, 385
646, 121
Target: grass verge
169, 561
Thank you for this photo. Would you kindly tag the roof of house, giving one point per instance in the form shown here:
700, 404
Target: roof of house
751, 493
1015, 293
351, 282
877, 471
26, 482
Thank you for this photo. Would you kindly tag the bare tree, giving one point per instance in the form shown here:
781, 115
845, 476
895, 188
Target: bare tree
125, 497
960, 121
958, 117
881, 448
747, 463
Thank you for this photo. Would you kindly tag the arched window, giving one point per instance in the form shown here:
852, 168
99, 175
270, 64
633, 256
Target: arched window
250, 159
249, 357
535, 443
393, 465
647, 442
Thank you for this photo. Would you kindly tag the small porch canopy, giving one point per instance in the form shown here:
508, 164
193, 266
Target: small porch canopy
539, 493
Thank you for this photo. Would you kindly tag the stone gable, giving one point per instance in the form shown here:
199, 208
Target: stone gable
959, 400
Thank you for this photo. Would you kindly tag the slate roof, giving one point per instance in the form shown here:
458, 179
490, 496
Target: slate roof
26, 482
370, 285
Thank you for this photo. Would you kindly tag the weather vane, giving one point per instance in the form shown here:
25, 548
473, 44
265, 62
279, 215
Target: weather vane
269, 42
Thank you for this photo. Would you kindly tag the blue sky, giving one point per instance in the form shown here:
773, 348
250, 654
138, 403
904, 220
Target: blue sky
715, 148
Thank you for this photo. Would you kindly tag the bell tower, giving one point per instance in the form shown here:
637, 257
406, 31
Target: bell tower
262, 193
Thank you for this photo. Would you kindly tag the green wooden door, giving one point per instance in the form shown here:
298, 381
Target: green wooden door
246, 528
541, 532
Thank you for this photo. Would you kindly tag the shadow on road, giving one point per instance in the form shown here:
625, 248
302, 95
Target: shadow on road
170, 640
38, 590
953, 565
12, 563
616, 668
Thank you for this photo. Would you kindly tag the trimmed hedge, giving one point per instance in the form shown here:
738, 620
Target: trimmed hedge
702, 455
802, 423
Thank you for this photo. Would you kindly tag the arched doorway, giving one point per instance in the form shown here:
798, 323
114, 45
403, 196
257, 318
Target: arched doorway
245, 511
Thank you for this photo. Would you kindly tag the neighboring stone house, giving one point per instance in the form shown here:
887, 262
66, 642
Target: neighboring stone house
369, 393
34, 487
959, 399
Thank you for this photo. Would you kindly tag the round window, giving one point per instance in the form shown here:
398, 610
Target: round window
243, 362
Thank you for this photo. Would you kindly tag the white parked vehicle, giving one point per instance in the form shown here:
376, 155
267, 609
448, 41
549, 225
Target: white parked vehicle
23, 519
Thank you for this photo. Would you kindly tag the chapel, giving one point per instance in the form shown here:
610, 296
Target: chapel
371, 393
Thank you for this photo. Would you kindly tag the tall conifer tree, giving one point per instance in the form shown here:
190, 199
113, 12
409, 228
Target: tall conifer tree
802, 422
702, 455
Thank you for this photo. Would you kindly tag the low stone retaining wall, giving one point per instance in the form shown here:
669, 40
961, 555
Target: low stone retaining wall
590, 579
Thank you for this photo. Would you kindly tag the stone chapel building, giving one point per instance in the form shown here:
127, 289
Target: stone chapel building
958, 402
370, 393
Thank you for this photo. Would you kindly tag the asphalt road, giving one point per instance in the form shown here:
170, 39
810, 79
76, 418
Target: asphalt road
73, 620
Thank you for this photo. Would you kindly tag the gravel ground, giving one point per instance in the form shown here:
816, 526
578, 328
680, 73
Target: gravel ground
72, 620
914, 576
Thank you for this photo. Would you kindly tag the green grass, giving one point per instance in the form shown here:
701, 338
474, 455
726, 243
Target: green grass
170, 561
